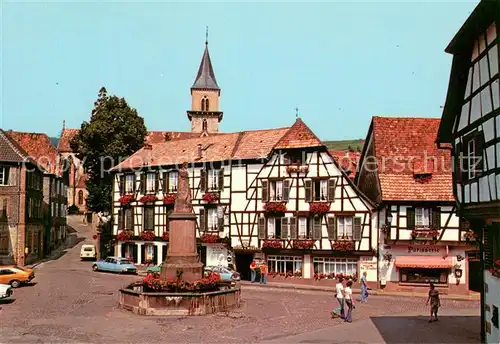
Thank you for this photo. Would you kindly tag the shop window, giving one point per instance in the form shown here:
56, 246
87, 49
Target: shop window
425, 276
284, 263
335, 265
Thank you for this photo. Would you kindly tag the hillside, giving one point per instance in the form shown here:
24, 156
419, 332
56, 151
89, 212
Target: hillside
345, 144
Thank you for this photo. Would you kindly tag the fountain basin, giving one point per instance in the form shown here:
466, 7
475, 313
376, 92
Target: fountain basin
133, 298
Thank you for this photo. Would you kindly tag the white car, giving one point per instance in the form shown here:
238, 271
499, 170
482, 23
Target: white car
5, 291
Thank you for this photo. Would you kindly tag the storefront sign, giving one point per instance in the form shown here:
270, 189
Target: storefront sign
368, 266
423, 249
216, 255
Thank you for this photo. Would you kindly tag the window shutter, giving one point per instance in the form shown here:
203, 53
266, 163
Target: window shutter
286, 190
284, 228
356, 232
332, 228
202, 220
143, 183
265, 191
134, 253
157, 182
129, 213
220, 223
121, 219
143, 254
435, 217
155, 254
332, 183
203, 180
122, 253
410, 218
121, 185
221, 179
308, 188
317, 228
165, 182
293, 227
262, 227
479, 153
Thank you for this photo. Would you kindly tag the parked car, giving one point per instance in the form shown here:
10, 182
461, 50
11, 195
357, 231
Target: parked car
87, 252
5, 291
115, 264
154, 269
226, 274
15, 275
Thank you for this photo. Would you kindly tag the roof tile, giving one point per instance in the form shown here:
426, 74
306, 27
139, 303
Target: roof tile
299, 136
39, 147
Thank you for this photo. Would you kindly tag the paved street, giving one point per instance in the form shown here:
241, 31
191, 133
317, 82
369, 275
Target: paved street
71, 304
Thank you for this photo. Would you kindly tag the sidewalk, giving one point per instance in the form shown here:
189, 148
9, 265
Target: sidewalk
56, 253
277, 285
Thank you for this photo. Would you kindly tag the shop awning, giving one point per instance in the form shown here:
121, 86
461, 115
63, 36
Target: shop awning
424, 262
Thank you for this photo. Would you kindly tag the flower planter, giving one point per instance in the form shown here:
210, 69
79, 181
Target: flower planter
126, 200
147, 199
495, 270
319, 208
303, 244
147, 235
297, 169
209, 238
275, 208
125, 236
210, 197
169, 199
343, 246
425, 234
165, 236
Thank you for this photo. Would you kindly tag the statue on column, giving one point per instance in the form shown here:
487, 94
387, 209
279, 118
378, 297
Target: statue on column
183, 202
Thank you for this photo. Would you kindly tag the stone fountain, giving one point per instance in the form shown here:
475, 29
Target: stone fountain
182, 262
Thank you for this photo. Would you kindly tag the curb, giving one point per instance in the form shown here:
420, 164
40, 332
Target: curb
54, 254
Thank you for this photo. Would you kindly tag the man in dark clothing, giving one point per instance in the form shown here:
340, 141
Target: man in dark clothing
435, 302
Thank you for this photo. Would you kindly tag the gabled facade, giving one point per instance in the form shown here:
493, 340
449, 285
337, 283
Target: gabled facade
421, 240
271, 194
470, 129
21, 204
54, 208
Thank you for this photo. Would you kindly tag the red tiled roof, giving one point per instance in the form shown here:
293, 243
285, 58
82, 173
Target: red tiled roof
152, 137
10, 150
347, 160
39, 147
405, 147
299, 136
222, 147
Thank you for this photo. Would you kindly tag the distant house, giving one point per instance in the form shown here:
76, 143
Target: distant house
421, 240
470, 128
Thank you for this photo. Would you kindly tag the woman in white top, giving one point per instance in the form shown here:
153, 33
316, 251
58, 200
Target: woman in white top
339, 288
348, 301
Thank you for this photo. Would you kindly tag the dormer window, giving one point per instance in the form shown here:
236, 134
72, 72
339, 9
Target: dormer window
294, 158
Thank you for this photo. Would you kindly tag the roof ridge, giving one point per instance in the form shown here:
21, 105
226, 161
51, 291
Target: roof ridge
15, 146
407, 117
237, 143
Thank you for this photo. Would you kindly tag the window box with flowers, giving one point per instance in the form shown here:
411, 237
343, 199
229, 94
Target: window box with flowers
319, 208
165, 236
343, 245
169, 199
211, 197
147, 235
125, 235
272, 246
126, 200
275, 209
424, 233
303, 244
296, 168
470, 236
209, 238
495, 270
148, 199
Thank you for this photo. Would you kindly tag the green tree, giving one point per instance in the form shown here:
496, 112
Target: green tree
114, 132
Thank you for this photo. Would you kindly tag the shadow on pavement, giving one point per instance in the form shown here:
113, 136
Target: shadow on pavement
417, 329
29, 284
6, 301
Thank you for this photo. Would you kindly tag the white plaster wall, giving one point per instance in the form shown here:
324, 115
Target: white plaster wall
492, 297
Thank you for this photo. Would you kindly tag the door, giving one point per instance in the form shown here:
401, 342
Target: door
475, 272
243, 261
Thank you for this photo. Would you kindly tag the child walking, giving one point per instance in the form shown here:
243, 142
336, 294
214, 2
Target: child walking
435, 302
349, 301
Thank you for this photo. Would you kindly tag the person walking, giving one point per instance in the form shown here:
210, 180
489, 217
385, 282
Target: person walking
435, 302
349, 301
253, 272
339, 289
364, 289
263, 273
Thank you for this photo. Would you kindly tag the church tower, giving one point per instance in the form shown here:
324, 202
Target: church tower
204, 114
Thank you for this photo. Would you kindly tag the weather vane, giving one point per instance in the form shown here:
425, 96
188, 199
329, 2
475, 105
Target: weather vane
206, 36
296, 112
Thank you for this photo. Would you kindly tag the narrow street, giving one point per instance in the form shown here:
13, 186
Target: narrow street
69, 303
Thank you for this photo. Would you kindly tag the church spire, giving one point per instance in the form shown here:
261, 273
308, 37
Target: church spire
205, 79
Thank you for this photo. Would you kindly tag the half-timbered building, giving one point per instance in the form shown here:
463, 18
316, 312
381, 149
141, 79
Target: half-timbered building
470, 128
277, 192
421, 239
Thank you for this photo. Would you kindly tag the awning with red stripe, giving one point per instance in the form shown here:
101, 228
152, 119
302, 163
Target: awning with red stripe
424, 262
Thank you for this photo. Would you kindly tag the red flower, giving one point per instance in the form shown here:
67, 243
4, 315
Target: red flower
319, 208
272, 244
125, 235
275, 207
425, 233
470, 236
169, 198
297, 169
148, 199
125, 200
165, 236
303, 244
209, 238
94, 237
210, 197
210, 282
147, 235
340, 245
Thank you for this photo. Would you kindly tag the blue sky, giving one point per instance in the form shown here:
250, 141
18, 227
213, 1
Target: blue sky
339, 62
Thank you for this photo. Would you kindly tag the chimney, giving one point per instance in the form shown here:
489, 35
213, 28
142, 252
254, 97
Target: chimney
200, 150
